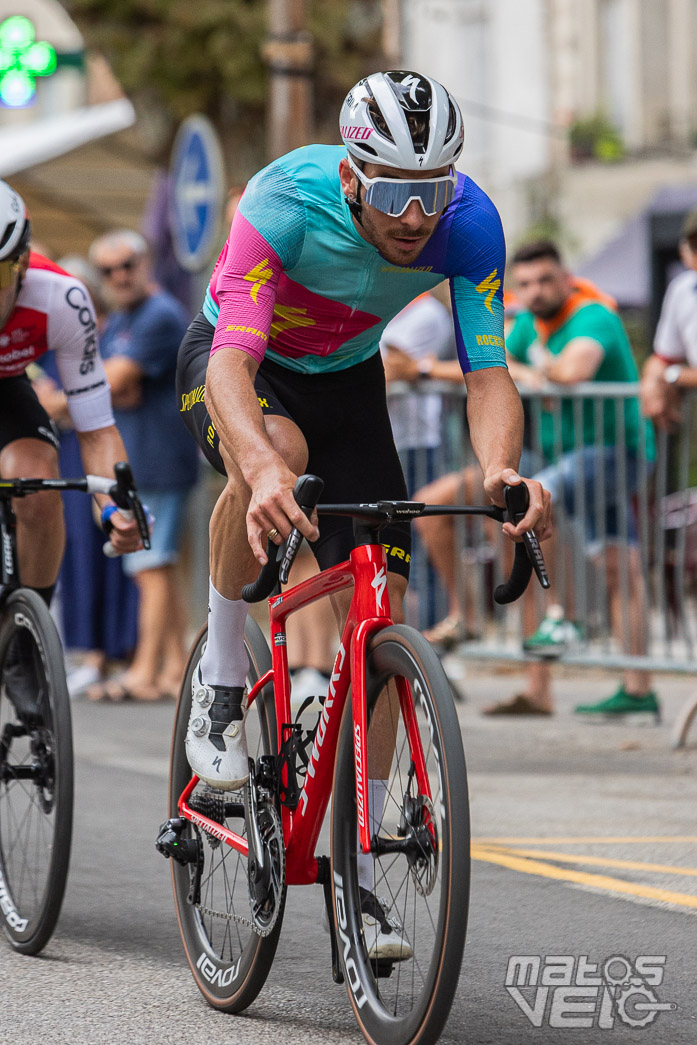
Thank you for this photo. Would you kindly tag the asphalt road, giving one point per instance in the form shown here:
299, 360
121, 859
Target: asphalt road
585, 847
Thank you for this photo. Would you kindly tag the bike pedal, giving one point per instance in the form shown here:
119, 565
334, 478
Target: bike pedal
382, 969
170, 843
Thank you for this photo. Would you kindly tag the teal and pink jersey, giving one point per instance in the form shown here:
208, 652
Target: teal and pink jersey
297, 282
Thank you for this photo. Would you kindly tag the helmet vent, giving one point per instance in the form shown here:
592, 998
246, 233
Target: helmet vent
452, 122
9, 232
378, 120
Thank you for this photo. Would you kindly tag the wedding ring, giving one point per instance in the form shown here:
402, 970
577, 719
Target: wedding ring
272, 534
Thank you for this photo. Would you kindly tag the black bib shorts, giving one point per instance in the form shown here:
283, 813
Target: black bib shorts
22, 415
343, 416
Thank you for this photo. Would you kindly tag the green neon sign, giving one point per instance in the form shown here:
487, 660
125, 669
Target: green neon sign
22, 59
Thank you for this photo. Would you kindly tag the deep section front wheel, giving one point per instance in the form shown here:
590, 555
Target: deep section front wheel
401, 911
36, 773
228, 957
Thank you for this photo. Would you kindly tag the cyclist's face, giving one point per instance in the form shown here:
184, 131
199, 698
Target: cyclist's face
400, 240
542, 286
125, 274
8, 294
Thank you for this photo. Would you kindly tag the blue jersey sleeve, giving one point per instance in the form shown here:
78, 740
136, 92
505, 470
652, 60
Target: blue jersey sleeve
476, 262
273, 205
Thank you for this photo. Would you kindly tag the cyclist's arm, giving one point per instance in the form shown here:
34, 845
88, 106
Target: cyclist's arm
235, 412
494, 410
100, 450
72, 336
495, 416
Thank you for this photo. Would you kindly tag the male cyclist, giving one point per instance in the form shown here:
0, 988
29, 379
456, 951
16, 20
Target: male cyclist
41, 308
327, 245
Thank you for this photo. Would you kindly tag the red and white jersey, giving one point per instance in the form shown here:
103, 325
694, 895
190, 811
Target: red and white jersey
54, 311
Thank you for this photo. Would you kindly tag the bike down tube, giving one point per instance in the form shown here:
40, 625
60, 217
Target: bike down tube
366, 564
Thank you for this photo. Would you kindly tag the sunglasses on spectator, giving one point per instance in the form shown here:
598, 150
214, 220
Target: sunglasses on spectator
8, 271
124, 266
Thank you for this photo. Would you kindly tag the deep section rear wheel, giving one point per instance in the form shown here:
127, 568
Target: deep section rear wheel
228, 958
420, 864
36, 773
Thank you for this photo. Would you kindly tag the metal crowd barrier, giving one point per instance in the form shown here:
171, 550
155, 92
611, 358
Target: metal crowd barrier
659, 569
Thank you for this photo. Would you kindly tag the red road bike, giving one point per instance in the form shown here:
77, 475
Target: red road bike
235, 853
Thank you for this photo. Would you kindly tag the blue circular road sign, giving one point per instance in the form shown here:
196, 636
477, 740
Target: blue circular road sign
198, 174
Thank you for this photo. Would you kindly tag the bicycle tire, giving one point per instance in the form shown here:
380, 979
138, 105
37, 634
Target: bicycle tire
395, 1009
229, 967
36, 811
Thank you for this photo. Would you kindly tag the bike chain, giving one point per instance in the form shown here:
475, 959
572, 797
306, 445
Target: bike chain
239, 919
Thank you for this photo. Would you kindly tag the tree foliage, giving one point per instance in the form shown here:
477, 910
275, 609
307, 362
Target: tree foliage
184, 56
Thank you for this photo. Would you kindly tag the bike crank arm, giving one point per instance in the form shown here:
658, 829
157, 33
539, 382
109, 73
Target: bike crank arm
256, 846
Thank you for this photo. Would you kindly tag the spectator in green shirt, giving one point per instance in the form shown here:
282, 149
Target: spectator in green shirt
568, 332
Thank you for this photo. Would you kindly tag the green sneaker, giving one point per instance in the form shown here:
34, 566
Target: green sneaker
622, 703
554, 636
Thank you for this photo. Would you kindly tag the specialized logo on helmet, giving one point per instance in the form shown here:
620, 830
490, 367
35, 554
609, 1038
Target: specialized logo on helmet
259, 276
489, 286
411, 84
358, 133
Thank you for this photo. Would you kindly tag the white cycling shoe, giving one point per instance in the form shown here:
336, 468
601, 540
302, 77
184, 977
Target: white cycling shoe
384, 936
216, 744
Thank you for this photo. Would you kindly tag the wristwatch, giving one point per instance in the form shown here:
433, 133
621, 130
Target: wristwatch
672, 373
425, 367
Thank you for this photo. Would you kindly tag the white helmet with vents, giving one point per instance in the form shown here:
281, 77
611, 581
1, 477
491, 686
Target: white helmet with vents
15, 228
402, 119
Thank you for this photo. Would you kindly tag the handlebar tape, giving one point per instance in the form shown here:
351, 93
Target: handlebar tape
517, 501
280, 558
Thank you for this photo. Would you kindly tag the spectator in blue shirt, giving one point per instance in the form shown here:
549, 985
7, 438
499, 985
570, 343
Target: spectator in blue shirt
139, 345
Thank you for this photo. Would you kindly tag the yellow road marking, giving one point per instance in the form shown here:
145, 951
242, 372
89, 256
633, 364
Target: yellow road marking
690, 839
600, 861
596, 881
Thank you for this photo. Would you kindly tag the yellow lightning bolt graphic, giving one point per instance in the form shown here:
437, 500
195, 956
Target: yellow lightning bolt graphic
259, 275
489, 286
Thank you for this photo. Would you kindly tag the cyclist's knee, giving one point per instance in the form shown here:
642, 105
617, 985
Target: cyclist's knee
288, 441
29, 457
40, 513
32, 457
397, 587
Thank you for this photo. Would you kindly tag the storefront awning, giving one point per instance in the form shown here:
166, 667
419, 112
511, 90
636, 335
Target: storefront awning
28, 144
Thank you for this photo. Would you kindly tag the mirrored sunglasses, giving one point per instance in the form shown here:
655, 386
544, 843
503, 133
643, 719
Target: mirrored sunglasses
393, 195
8, 271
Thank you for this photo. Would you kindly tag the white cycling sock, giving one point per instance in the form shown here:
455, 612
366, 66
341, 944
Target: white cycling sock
224, 662
377, 789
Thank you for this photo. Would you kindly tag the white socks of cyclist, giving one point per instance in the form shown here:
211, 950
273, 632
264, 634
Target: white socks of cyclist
377, 789
224, 662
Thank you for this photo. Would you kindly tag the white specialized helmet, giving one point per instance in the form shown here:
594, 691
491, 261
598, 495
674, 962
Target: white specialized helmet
402, 119
15, 227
